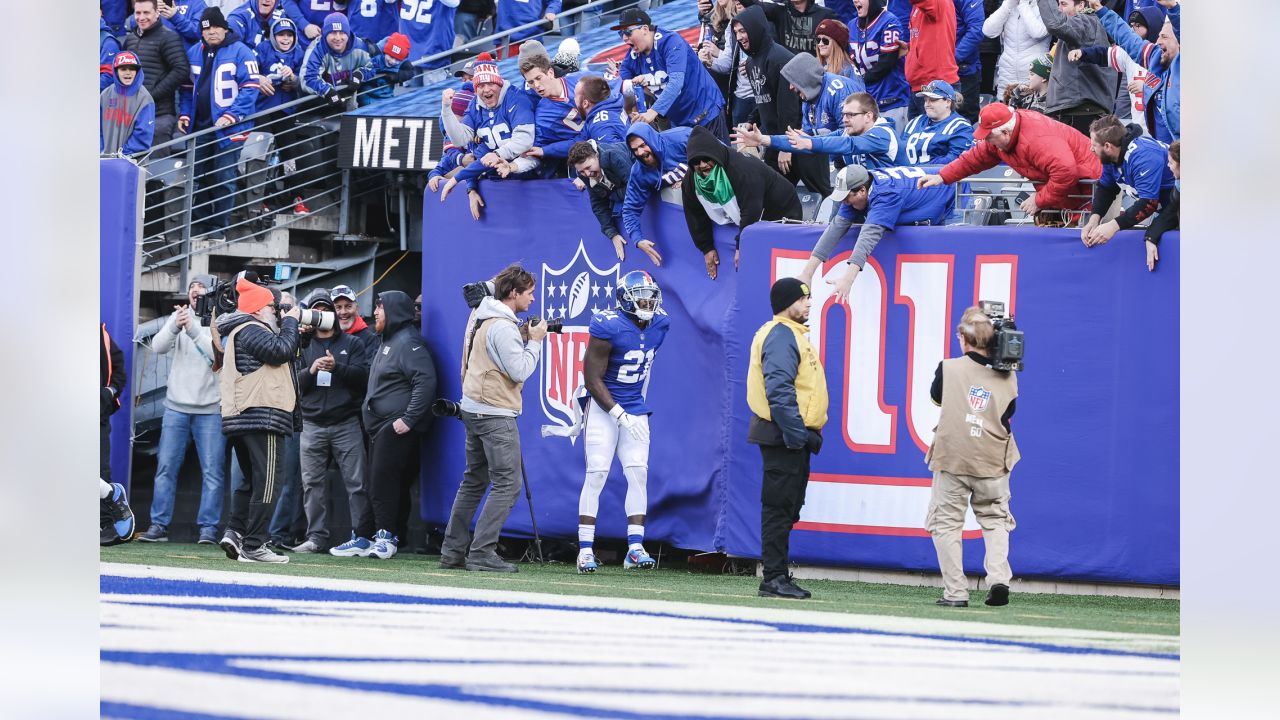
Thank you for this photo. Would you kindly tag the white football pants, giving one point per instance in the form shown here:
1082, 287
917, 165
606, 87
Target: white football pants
604, 439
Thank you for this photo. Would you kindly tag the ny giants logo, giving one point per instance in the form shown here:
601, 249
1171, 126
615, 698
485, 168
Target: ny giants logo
572, 294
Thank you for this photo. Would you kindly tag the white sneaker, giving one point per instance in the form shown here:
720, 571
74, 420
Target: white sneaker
384, 545
261, 554
310, 546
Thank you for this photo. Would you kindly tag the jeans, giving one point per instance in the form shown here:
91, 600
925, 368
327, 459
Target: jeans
288, 507
742, 109
177, 429
493, 463
216, 170
467, 26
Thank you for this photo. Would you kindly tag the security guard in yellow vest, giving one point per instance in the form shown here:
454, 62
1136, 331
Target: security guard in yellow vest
787, 392
972, 453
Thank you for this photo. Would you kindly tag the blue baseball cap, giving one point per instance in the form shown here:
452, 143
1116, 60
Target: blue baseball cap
938, 90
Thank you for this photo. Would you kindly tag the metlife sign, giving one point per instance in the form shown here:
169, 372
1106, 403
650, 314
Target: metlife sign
406, 144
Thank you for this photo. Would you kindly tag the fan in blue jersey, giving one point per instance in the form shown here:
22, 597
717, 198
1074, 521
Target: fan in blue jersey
686, 93
559, 116
336, 65
939, 135
822, 96
875, 42
252, 21
222, 93
280, 60
616, 373
373, 20
868, 139
514, 13
451, 158
429, 26
183, 16
498, 128
662, 162
1132, 163
880, 200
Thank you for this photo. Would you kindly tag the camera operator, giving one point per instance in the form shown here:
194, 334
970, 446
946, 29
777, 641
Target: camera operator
332, 377
402, 384
972, 453
259, 409
497, 358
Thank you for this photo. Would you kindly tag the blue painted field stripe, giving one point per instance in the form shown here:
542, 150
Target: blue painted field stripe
120, 585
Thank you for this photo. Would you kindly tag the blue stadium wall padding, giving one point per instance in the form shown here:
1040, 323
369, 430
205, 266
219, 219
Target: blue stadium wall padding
1095, 496
120, 194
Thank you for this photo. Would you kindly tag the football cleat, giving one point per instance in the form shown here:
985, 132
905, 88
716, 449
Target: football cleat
587, 563
638, 558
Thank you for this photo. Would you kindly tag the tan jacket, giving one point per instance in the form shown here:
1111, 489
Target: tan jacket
269, 386
970, 439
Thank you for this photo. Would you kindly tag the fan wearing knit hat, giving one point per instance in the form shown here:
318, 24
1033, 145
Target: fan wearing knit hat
259, 408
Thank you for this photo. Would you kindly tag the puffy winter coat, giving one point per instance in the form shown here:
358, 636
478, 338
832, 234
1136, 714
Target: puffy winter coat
1023, 38
1053, 156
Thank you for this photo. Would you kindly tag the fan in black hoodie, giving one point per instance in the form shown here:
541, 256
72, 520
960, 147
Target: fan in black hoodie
755, 192
777, 104
402, 384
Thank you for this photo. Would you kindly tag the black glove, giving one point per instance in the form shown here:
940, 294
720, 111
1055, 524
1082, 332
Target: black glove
358, 76
108, 402
814, 442
332, 94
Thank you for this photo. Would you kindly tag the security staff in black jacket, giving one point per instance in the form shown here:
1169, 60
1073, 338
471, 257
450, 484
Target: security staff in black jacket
332, 376
727, 187
777, 104
402, 385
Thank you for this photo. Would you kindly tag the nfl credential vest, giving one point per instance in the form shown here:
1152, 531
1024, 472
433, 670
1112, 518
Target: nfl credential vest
969, 438
482, 380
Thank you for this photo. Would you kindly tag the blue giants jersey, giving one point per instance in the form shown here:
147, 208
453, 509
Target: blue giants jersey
882, 36
494, 126
686, 93
429, 26
936, 143
557, 119
895, 200
822, 115
630, 356
1143, 172
372, 20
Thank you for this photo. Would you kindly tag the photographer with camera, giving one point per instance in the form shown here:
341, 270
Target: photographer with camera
972, 454
498, 356
259, 409
402, 383
191, 413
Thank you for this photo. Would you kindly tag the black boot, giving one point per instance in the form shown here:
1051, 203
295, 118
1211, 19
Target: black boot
782, 587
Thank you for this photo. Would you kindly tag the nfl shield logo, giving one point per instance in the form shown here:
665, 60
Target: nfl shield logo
978, 398
572, 294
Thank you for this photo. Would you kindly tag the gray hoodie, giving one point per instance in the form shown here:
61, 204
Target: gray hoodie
193, 386
508, 350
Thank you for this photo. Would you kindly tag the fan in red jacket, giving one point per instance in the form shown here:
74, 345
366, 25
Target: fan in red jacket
1053, 156
932, 50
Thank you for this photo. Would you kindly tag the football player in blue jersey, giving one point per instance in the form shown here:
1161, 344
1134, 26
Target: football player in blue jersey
429, 26
616, 372
939, 135
880, 200
686, 93
876, 46
1133, 163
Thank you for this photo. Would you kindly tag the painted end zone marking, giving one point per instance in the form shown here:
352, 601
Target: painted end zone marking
871, 505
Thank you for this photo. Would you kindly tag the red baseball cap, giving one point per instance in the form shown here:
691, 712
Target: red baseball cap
992, 116
125, 59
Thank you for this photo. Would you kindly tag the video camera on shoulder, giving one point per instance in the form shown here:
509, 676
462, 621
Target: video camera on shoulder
222, 296
1006, 346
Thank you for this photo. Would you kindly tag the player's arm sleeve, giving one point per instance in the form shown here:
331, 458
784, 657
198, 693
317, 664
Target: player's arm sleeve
594, 365
868, 237
696, 219
780, 361
632, 205
144, 129
831, 237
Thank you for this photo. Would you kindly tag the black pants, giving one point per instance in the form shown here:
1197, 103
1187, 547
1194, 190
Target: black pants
786, 476
261, 458
812, 170
969, 85
393, 460
104, 450
1080, 117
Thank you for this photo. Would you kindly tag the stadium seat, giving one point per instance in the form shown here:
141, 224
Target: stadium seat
170, 171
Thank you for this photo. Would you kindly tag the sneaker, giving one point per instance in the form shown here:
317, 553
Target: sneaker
587, 563
782, 587
384, 545
998, 595
355, 547
279, 545
308, 547
117, 507
299, 207
155, 533
208, 536
493, 563
638, 558
262, 554
951, 603
232, 543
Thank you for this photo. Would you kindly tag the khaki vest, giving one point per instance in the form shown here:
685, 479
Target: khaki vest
269, 386
811, 380
969, 438
482, 379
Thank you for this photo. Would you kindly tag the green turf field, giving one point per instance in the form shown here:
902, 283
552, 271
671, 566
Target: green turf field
677, 582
